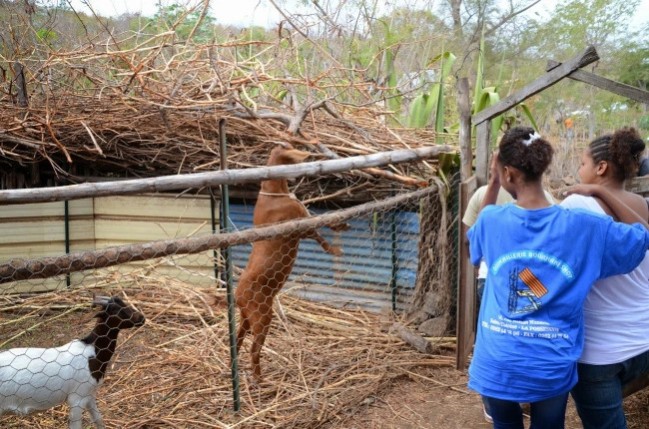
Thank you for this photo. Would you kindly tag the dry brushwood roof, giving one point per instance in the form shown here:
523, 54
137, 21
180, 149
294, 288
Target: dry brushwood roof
100, 113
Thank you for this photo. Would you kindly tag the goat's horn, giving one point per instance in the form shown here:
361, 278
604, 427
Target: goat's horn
282, 144
100, 300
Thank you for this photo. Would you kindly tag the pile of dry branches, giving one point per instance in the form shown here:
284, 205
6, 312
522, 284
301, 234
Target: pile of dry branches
105, 111
320, 363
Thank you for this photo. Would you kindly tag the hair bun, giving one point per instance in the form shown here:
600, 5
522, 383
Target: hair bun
628, 137
625, 149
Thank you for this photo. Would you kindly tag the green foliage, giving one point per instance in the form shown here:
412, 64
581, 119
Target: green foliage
448, 59
178, 18
643, 122
389, 54
422, 107
634, 66
428, 107
588, 22
46, 35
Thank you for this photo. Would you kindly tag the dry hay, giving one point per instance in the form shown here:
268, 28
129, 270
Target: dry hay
319, 363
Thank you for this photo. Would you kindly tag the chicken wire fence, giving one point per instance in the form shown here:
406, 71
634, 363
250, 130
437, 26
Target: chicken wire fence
380, 258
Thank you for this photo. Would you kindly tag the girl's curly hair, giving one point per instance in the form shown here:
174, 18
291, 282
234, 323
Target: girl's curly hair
525, 150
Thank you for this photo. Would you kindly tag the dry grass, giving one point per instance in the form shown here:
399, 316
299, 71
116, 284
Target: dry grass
319, 362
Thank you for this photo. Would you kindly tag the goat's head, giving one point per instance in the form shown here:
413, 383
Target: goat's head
115, 313
284, 153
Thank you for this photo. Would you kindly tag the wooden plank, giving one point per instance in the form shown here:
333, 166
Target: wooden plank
31, 250
124, 273
639, 185
464, 106
35, 232
609, 85
45, 231
80, 208
155, 207
483, 141
125, 231
187, 261
33, 286
466, 300
27, 211
538, 85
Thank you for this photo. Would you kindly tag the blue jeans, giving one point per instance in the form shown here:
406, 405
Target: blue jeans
598, 394
547, 414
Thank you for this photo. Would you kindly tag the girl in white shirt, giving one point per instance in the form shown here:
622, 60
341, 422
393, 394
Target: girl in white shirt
616, 311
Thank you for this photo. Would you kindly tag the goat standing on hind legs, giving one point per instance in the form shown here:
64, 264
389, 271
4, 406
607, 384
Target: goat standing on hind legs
271, 261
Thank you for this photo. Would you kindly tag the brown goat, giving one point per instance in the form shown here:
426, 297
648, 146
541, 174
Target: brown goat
271, 261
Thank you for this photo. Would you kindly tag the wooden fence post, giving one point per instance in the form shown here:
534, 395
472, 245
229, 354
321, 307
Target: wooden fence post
464, 104
483, 140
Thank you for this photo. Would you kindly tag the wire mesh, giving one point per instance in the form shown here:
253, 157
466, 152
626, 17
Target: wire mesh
314, 312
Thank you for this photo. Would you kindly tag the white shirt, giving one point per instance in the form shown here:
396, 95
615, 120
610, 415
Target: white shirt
616, 310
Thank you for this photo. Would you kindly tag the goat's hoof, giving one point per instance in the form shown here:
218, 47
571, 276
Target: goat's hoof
336, 251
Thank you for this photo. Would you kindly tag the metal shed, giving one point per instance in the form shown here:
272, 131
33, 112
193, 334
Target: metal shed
376, 272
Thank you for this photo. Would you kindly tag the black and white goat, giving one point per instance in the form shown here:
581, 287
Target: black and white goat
34, 379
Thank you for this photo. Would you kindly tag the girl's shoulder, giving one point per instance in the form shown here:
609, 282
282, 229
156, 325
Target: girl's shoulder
576, 201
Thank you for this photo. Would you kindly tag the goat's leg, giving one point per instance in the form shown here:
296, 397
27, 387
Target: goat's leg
75, 416
259, 331
333, 250
339, 227
243, 330
92, 408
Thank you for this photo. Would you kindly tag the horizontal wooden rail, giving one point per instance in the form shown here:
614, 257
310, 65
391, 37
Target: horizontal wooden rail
543, 82
225, 177
615, 87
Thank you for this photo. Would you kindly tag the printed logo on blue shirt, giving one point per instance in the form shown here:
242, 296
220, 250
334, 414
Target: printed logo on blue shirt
525, 298
526, 289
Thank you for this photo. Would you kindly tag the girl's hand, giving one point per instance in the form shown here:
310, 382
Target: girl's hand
582, 189
493, 169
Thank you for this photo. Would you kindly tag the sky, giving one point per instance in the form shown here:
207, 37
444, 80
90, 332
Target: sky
243, 13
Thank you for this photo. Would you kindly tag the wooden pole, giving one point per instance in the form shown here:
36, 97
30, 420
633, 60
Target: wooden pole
464, 105
200, 180
483, 140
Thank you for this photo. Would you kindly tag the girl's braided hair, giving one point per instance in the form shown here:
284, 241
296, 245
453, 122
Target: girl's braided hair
621, 150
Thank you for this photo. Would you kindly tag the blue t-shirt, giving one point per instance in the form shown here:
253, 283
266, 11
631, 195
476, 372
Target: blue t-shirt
542, 264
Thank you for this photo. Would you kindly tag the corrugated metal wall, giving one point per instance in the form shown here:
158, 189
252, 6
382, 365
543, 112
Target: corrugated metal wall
381, 253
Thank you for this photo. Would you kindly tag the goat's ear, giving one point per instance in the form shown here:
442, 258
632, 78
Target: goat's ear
296, 155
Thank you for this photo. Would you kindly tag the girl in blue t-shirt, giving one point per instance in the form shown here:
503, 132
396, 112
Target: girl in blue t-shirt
542, 262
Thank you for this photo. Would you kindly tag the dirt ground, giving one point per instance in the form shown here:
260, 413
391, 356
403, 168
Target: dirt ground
439, 399
425, 396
